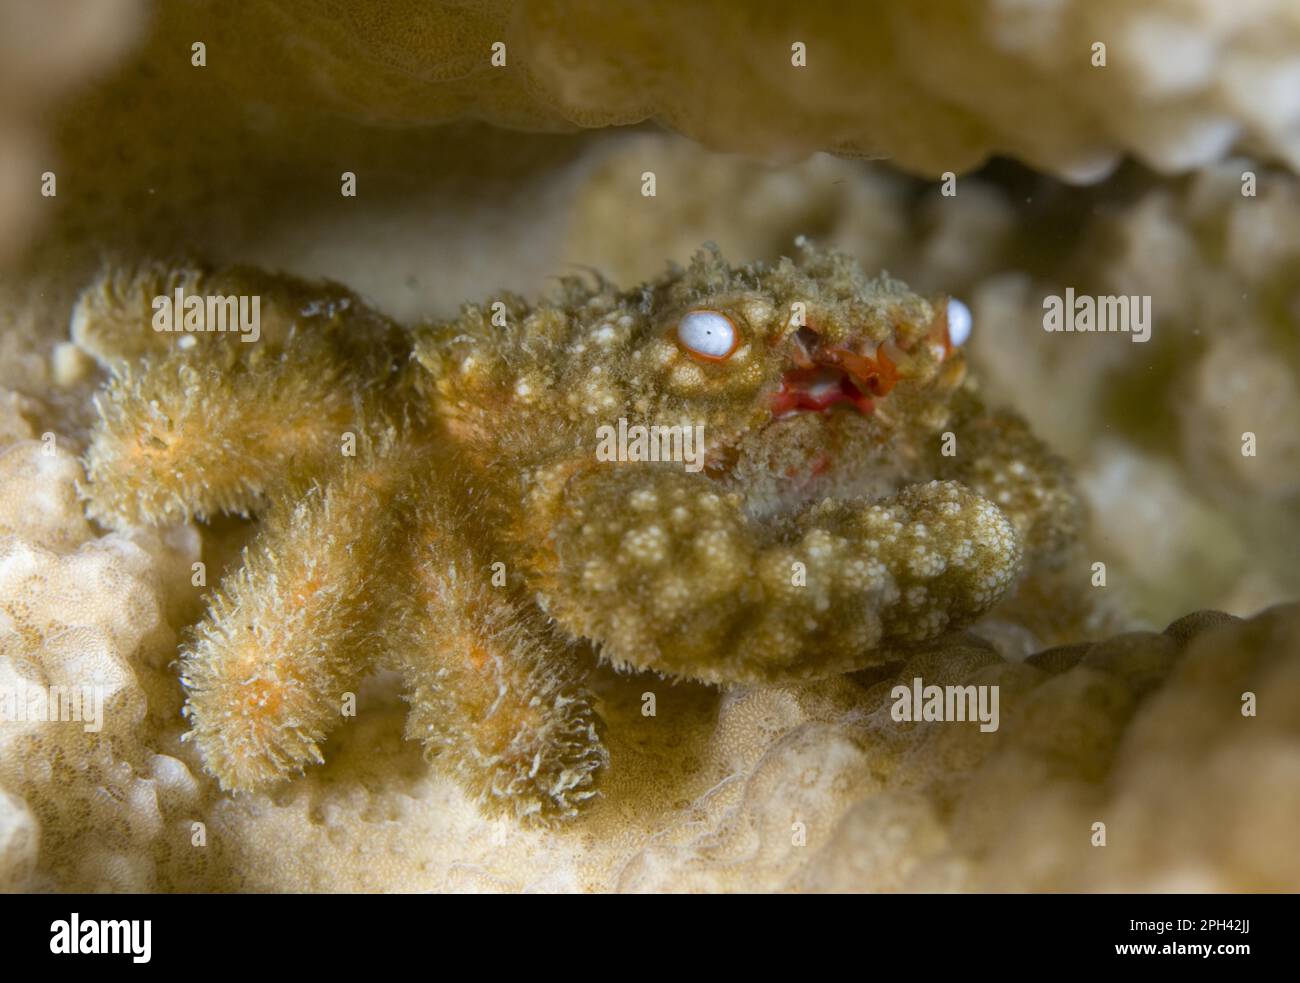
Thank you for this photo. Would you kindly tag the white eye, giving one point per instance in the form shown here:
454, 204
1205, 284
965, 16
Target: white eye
959, 322
708, 334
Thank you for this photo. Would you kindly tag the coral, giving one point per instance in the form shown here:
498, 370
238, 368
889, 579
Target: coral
1224, 257
811, 538
1201, 423
19, 838
1157, 526
747, 207
936, 87
1088, 733
85, 638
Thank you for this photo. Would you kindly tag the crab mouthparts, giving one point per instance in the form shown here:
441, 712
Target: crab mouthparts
833, 377
817, 390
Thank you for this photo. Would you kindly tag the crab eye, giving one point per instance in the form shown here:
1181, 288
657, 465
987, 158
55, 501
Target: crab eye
708, 334
959, 323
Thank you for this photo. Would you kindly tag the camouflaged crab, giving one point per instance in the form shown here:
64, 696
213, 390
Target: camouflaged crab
448, 514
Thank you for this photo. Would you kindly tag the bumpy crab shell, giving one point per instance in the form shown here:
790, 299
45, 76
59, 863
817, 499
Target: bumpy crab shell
855, 496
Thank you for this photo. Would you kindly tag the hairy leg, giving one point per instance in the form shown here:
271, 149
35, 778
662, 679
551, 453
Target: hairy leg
391, 562
194, 424
293, 630
498, 698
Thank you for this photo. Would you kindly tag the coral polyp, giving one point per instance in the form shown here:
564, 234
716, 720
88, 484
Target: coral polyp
432, 501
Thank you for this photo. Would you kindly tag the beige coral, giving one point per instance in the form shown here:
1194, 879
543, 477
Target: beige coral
19, 842
937, 87
88, 618
1088, 734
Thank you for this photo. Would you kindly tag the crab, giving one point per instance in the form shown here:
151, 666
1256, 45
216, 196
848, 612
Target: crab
431, 499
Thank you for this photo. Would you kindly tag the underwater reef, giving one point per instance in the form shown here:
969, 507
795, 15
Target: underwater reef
376, 601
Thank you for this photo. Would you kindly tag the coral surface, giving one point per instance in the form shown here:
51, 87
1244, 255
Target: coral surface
939, 86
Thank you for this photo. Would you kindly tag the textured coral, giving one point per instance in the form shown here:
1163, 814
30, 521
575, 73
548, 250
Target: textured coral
937, 86
1089, 733
1208, 254
1178, 492
813, 541
79, 611
19, 839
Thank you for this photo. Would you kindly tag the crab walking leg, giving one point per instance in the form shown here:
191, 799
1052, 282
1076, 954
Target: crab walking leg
180, 437
197, 424
119, 317
288, 635
667, 572
499, 700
